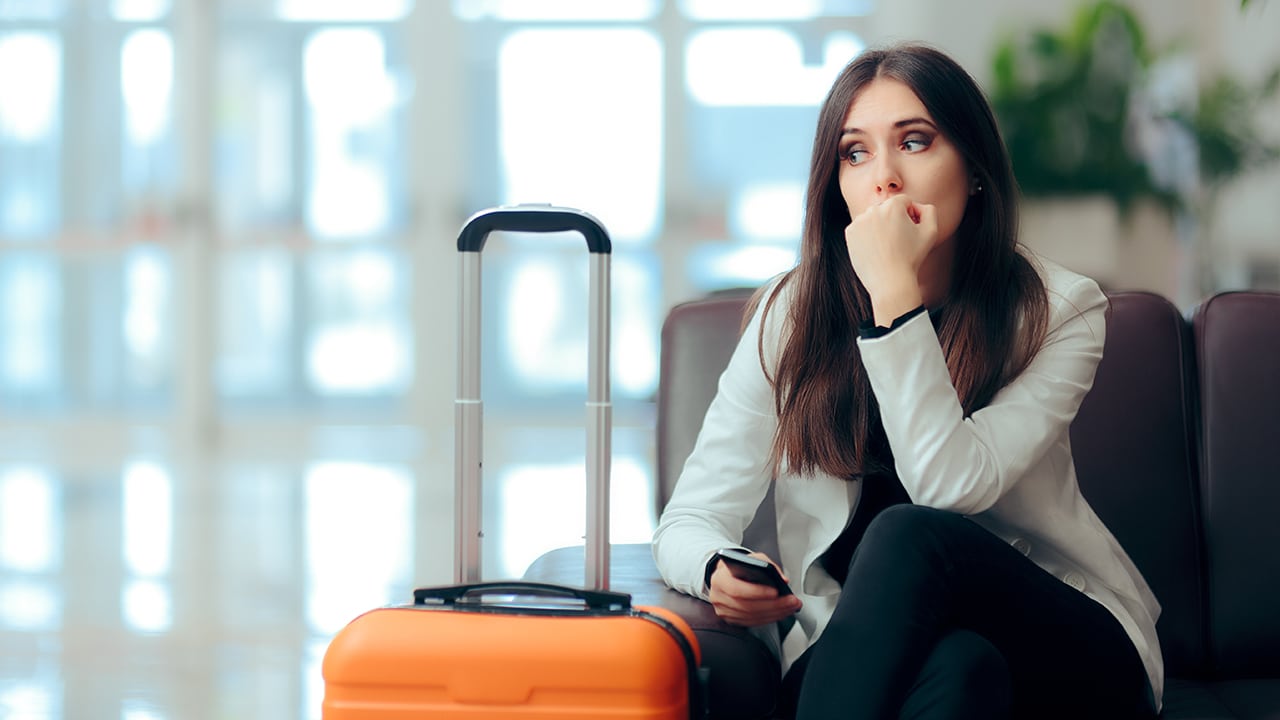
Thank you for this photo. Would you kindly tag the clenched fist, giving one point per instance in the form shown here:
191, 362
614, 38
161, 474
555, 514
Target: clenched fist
888, 244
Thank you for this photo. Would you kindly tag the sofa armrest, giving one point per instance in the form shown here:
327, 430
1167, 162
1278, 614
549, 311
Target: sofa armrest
743, 675
632, 571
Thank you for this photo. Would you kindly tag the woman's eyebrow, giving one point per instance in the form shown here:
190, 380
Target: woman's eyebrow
900, 124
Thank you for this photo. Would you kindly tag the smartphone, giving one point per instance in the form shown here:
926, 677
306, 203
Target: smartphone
754, 570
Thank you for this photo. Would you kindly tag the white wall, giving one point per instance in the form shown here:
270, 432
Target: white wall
1246, 43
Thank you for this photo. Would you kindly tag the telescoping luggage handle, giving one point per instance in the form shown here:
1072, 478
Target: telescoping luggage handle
469, 410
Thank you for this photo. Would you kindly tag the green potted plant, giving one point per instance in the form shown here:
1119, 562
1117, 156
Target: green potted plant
1224, 125
1230, 143
1077, 109
1066, 99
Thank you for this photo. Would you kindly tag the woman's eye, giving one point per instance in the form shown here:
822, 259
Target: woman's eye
915, 144
855, 155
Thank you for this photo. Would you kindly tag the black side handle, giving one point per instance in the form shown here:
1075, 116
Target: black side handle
594, 599
534, 219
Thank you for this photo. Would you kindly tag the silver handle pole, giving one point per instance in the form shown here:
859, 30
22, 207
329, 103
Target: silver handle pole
468, 427
599, 426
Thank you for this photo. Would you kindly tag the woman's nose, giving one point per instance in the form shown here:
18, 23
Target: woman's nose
888, 179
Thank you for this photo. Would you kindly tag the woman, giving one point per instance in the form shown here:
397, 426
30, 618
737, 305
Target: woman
908, 389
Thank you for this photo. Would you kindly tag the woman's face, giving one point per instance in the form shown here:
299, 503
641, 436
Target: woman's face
890, 145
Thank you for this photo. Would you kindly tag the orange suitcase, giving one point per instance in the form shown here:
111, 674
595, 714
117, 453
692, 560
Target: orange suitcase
476, 651
447, 657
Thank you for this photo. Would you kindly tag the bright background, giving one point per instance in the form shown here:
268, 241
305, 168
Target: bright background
228, 297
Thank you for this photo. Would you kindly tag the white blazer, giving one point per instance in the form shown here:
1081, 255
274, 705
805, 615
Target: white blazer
1008, 466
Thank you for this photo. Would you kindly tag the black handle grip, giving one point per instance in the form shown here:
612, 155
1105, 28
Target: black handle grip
535, 219
594, 599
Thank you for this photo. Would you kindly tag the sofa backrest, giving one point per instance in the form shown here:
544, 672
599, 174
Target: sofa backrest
1134, 447
1237, 339
1213, 565
698, 338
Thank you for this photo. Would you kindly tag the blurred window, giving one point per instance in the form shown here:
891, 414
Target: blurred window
368, 564
584, 134
754, 93
30, 143
148, 541
312, 209
577, 114
358, 344
28, 520
30, 549
30, 315
211, 250
19, 10
254, 347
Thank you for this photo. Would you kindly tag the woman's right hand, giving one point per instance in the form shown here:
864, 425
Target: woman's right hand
888, 244
739, 602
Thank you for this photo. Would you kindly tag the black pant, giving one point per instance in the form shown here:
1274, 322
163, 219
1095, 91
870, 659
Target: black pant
941, 619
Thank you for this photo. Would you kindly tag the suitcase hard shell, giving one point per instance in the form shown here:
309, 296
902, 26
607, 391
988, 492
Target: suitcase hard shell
515, 650
456, 660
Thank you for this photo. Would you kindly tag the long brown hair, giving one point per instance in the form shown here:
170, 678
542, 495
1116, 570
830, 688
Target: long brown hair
991, 326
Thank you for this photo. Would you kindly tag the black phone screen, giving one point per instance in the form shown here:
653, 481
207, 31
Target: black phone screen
754, 570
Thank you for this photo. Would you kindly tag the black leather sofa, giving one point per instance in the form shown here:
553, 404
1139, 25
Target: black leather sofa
1177, 448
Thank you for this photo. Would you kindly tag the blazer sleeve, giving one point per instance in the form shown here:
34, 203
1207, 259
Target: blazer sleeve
727, 474
963, 464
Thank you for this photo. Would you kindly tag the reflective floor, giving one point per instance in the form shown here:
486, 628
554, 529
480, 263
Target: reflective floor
152, 589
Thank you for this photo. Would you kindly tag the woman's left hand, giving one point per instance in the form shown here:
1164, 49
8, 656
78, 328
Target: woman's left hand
739, 602
888, 243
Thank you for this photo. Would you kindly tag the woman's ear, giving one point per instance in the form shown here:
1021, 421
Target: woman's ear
975, 185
